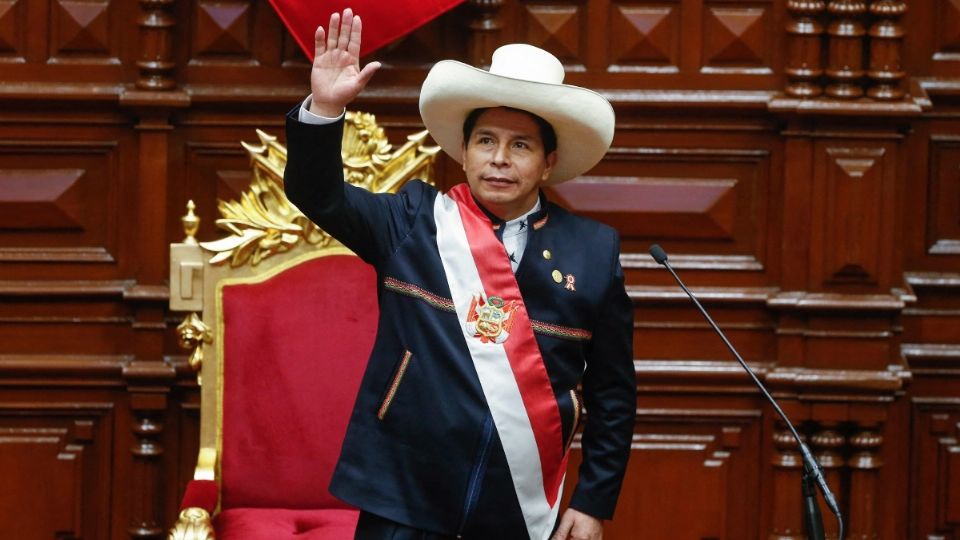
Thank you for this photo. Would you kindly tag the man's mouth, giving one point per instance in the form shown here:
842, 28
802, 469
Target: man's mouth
499, 181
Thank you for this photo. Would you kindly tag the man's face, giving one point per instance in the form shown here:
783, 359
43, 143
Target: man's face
504, 162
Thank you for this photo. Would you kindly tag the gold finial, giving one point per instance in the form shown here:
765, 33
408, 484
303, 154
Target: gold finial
190, 224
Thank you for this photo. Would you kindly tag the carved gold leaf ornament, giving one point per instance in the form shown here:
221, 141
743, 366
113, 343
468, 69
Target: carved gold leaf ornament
263, 222
192, 524
365, 149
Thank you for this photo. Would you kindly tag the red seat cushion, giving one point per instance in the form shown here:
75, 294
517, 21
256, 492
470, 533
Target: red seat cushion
282, 524
295, 347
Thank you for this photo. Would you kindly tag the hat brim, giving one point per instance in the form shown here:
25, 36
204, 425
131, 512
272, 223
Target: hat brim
582, 119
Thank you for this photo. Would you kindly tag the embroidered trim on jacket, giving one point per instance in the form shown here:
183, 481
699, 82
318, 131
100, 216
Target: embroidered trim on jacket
561, 331
575, 399
541, 222
388, 399
413, 291
445, 304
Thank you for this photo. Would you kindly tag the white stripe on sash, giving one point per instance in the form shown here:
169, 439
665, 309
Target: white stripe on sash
496, 376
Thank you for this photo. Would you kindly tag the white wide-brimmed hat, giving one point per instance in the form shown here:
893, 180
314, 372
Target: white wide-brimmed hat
522, 77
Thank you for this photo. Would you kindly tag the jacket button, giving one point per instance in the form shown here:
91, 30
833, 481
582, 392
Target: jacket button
547, 255
557, 276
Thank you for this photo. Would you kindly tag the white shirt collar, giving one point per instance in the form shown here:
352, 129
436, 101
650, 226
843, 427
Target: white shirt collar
519, 225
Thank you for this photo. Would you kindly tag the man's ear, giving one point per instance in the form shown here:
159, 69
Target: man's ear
551, 163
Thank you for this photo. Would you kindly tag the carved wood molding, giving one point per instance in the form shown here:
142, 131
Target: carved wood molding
745, 263
933, 359
62, 369
811, 301
64, 450
835, 383
63, 288
698, 376
806, 383
839, 384
646, 294
933, 280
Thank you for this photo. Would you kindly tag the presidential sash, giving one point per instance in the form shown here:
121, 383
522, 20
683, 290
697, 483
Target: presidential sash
500, 339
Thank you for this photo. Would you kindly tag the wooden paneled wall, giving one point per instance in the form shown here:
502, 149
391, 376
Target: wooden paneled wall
797, 158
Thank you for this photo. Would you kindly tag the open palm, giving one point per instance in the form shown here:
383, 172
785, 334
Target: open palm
336, 77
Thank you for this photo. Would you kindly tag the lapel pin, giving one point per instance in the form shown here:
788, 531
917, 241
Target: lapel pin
570, 282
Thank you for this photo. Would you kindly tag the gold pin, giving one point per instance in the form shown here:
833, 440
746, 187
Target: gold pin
547, 255
557, 276
571, 281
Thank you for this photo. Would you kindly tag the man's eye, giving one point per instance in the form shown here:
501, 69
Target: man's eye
485, 140
520, 144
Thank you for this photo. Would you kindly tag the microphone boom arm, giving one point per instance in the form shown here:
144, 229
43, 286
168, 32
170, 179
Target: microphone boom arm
812, 468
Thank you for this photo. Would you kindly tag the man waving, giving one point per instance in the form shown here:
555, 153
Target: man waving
496, 305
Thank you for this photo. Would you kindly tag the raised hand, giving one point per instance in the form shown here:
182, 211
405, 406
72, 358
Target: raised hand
336, 77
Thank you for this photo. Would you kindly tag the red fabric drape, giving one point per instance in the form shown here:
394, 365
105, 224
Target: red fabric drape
383, 20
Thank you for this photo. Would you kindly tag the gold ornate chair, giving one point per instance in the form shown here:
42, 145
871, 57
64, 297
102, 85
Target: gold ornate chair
280, 321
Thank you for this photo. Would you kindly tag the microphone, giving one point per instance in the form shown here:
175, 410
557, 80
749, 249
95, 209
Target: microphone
812, 471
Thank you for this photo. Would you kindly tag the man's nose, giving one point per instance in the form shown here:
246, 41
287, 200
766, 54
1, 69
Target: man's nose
501, 155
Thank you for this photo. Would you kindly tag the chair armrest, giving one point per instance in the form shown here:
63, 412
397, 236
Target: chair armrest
200, 494
199, 502
194, 522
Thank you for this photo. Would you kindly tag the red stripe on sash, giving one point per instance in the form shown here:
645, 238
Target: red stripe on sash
521, 348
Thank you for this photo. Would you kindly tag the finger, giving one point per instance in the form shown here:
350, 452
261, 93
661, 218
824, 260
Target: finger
563, 530
367, 73
319, 42
334, 31
354, 46
345, 29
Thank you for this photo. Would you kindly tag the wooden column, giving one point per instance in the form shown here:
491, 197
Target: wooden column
148, 376
886, 45
485, 31
804, 36
864, 464
786, 521
156, 45
845, 64
827, 443
148, 384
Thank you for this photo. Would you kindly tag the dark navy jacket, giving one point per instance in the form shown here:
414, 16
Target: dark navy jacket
421, 448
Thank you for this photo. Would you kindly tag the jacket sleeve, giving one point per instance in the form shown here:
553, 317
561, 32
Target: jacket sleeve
371, 225
610, 396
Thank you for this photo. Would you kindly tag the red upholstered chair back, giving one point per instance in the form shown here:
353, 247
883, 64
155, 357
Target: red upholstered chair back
295, 343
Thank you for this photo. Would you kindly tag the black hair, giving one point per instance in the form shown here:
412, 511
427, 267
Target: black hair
547, 134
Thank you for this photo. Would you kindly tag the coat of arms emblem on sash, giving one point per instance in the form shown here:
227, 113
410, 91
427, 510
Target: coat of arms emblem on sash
489, 319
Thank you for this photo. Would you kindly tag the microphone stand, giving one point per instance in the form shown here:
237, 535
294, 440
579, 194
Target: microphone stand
812, 472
